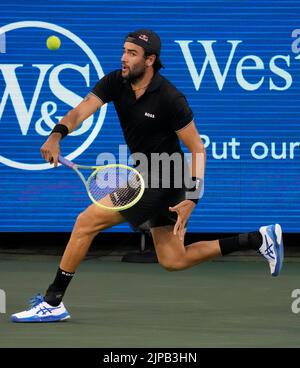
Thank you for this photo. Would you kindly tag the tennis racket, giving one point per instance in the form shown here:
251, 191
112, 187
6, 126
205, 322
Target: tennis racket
115, 187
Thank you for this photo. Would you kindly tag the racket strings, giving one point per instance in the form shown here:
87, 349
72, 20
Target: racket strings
123, 186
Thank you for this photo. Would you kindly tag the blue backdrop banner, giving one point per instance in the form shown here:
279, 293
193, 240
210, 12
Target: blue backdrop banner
237, 62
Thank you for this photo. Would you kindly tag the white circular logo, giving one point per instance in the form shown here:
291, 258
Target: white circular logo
92, 57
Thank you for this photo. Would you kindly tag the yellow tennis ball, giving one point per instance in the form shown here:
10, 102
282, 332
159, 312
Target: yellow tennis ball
53, 43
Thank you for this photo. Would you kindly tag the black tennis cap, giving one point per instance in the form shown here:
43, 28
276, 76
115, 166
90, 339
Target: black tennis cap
148, 40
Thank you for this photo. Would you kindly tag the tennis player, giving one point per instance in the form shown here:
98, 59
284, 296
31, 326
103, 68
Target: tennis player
154, 117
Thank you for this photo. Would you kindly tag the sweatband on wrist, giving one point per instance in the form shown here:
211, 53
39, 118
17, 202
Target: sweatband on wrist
62, 129
195, 190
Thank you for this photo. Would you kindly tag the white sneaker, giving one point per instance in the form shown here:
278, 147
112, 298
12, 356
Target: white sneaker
272, 247
40, 311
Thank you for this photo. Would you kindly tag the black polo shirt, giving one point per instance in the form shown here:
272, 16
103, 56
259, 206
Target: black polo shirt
150, 122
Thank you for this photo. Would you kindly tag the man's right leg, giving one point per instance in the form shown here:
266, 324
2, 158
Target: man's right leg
89, 223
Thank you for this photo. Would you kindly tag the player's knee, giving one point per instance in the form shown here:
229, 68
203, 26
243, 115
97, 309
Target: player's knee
87, 223
82, 223
171, 265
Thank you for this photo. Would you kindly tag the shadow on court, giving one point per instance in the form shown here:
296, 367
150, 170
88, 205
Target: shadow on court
115, 304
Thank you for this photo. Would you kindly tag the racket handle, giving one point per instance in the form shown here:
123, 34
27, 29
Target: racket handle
65, 162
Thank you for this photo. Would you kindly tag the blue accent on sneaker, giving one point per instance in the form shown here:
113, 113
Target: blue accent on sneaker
269, 250
278, 247
35, 300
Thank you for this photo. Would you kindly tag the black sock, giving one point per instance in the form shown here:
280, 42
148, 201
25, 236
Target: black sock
256, 240
57, 289
241, 242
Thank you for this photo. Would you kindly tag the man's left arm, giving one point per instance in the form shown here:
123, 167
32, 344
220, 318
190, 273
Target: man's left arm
193, 142
191, 139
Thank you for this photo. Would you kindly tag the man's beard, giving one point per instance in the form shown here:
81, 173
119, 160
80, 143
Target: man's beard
136, 74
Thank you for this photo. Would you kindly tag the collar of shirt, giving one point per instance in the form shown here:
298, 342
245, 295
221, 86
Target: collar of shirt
155, 82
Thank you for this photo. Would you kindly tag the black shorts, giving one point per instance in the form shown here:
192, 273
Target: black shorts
153, 208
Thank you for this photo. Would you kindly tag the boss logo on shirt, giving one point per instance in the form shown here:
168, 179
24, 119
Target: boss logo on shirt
152, 116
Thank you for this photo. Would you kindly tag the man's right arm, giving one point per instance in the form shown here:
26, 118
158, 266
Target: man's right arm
76, 116
50, 150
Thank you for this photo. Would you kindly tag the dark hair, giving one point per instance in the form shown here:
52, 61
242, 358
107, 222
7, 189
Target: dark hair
157, 63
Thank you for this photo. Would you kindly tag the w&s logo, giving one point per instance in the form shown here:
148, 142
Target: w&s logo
34, 96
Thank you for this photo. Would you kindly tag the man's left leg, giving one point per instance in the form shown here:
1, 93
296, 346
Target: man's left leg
174, 256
